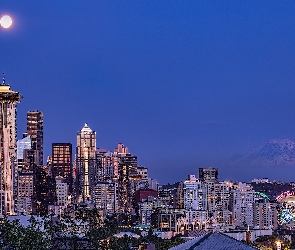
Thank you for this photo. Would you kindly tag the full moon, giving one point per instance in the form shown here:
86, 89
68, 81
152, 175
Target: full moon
5, 21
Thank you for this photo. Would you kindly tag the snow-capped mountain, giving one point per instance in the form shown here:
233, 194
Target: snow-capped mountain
280, 152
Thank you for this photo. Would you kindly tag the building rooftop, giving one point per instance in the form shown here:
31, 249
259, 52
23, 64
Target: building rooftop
129, 234
213, 241
7, 94
86, 129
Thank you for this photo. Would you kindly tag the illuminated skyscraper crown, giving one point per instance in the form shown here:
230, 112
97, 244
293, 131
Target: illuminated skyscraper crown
86, 129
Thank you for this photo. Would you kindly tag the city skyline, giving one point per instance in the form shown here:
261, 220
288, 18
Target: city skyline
112, 186
182, 85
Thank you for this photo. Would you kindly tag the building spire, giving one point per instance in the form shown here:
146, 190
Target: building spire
3, 79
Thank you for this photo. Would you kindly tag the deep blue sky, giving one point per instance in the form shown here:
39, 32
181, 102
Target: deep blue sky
183, 84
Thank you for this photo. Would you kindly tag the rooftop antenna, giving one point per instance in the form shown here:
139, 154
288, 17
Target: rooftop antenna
3, 79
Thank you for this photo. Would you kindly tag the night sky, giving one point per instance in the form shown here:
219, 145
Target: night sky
183, 84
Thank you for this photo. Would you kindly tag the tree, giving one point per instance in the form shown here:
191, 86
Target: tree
83, 228
16, 236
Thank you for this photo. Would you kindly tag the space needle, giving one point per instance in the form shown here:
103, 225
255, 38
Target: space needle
8, 101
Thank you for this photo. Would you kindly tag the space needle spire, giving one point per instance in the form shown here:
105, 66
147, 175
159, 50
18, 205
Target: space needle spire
8, 102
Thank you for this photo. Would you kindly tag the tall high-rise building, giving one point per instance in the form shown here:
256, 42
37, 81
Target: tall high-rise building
8, 134
35, 131
106, 161
241, 205
45, 191
25, 190
36, 190
195, 196
119, 152
218, 196
265, 214
23, 147
143, 172
127, 181
86, 162
208, 174
61, 192
61, 162
105, 197
121, 149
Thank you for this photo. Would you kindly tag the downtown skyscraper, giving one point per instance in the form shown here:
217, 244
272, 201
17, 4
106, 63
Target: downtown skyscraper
29, 164
85, 162
35, 131
62, 166
8, 134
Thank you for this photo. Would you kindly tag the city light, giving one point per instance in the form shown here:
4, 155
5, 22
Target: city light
279, 245
285, 195
287, 216
5, 21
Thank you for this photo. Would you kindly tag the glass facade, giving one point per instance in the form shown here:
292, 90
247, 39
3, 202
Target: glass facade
61, 162
23, 144
35, 131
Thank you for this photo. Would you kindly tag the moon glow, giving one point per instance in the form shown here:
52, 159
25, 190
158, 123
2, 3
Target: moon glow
5, 21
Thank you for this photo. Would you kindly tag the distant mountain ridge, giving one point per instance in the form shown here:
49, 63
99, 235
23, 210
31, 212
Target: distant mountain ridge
278, 152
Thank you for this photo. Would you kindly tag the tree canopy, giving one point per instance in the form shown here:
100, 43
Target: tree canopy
82, 228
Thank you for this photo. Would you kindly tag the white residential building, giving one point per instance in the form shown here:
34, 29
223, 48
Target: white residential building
265, 215
143, 172
242, 201
105, 197
62, 191
145, 211
194, 194
218, 195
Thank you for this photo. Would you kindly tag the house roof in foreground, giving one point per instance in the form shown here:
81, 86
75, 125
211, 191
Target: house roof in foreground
213, 241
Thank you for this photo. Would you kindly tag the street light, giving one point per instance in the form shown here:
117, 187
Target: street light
5, 21
279, 245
